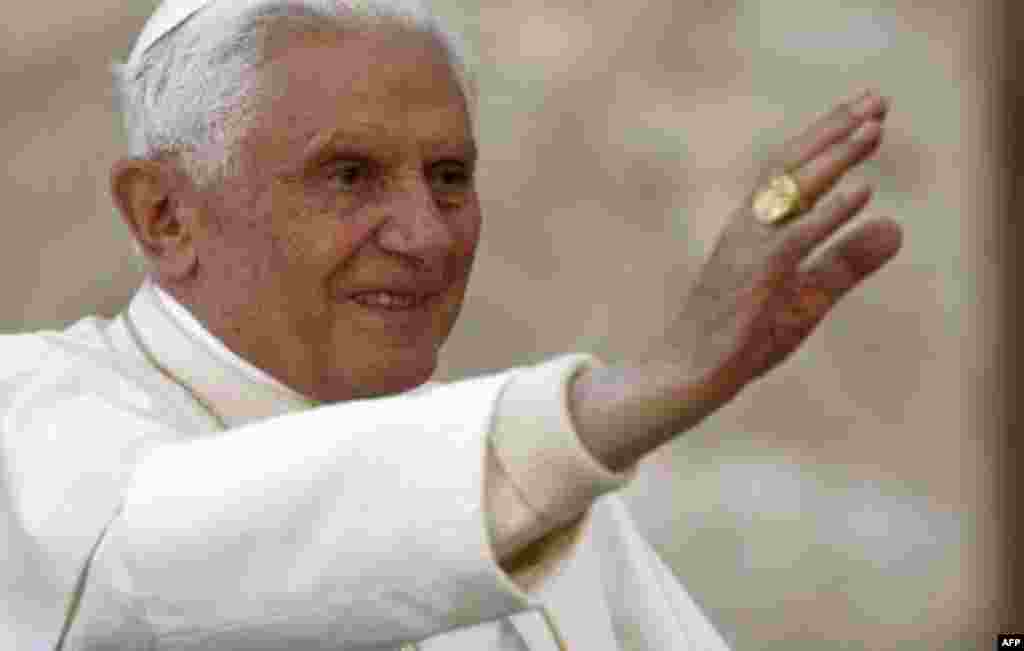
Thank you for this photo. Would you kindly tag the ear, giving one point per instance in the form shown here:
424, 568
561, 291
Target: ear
145, 194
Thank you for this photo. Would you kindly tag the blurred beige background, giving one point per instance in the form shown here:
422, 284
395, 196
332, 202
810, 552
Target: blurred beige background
844, 502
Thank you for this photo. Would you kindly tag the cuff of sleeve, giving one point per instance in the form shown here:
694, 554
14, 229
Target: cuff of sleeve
536, 443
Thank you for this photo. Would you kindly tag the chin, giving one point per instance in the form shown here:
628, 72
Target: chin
397, 375
404, 380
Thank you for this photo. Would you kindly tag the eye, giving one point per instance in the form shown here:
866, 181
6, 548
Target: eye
451, 176
348, 175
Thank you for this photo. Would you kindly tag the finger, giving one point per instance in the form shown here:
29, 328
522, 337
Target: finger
834, 127
855, 257
821, 174
812, 231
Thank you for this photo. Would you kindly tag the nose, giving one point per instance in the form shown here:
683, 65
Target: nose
414, 224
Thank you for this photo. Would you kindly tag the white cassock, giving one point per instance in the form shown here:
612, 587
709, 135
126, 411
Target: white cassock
353, 526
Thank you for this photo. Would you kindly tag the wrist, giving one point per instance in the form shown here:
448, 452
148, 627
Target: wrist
623, 413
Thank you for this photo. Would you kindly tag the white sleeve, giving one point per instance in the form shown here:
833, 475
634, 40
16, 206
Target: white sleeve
353, 524
542, 478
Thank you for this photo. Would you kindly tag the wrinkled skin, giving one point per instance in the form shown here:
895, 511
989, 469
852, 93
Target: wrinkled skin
355, 172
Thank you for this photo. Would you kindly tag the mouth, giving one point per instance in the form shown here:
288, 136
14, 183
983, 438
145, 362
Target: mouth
395, 302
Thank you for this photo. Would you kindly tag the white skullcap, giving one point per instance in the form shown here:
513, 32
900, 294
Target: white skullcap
167, 16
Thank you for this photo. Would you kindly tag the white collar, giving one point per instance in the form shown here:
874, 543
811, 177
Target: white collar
185, 319
237, 392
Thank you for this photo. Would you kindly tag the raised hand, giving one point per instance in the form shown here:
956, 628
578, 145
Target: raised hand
755, 301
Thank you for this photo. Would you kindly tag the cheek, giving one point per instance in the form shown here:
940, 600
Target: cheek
246, 243
466, 230
321, 244
313, 237
239, 257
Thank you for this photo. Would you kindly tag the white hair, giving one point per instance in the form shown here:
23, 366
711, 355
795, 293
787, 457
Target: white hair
177, 94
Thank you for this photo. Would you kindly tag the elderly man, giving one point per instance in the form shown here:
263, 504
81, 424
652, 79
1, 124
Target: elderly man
251, 456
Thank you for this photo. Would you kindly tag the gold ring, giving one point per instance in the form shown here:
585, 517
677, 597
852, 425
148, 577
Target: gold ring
779, 201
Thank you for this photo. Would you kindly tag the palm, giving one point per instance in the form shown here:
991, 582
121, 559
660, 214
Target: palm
739, 335
774, 322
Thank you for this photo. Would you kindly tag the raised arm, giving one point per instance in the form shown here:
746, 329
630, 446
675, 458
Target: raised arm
360, 522
753, 303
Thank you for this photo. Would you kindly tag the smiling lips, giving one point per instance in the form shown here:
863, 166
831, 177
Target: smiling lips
391, 300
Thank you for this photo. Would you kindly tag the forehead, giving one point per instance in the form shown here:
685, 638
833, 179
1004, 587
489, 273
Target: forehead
389, 85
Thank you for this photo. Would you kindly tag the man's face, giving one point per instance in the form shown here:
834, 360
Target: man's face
353, 175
